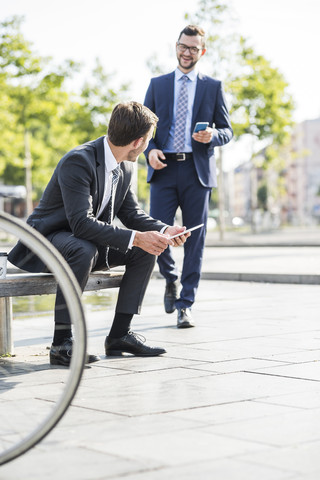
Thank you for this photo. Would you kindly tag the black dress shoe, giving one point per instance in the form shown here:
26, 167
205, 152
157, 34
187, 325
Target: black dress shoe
61, 354
184, 318
131, 343
170, 297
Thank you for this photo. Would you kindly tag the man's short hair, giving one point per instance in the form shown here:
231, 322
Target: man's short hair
192, 31
130, 121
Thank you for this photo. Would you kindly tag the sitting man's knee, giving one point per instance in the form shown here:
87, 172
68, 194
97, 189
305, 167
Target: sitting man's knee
83, 251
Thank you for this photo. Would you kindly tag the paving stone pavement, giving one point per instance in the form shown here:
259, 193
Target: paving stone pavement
237, 397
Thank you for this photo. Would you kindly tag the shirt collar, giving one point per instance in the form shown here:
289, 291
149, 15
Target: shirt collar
191, 75
110, 161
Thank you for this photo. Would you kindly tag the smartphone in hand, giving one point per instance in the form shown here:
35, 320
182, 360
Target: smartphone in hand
186, 231
200, 126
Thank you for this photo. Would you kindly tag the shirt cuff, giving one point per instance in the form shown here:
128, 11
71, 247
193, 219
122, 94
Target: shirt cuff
133, 234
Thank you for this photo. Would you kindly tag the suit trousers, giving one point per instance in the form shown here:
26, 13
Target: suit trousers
84, 257
177, 185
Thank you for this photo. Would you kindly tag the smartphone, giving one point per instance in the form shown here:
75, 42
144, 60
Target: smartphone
186, 231
200, 126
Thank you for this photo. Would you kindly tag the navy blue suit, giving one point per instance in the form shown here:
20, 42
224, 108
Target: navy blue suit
186, 184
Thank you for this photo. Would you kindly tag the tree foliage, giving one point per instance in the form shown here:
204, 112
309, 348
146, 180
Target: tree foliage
257, 92
215, 17
35, 101
261, 105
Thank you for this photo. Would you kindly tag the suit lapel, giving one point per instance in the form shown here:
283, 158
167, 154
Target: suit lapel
100, 162
200, 89
169, 94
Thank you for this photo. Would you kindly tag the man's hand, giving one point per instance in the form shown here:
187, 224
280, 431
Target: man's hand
178, 241
154, 159
203, 136
156, 243
152, 242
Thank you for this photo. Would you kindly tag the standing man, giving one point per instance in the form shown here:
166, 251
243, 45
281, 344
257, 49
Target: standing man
90, 185
181, 164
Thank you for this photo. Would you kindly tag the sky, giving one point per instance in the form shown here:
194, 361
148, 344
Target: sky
124, 34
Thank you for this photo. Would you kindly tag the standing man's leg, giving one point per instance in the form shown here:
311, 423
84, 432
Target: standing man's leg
194, 202
164, 202
178, 185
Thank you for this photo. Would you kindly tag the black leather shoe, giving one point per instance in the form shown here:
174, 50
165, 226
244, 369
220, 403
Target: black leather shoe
61, 354
184, 318
170, 297
131, 343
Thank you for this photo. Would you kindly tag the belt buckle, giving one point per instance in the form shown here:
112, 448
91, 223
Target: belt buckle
181, 157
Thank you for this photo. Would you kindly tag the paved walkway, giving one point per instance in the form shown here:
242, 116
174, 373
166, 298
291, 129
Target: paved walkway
272, 264
284, 236
237, 397
280, 256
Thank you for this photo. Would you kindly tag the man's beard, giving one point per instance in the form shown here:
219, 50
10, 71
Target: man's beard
190, 65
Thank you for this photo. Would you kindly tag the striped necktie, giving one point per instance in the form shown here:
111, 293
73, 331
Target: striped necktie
181, 117
114, 181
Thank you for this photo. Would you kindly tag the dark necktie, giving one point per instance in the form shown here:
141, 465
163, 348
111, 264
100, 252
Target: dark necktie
181, 116
114, 181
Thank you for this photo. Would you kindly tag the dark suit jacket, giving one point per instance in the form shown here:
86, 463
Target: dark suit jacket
72, 199
209, 106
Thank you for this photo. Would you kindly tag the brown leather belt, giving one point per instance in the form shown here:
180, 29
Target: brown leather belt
178, 157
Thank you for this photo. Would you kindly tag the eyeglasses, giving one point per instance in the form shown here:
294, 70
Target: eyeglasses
183, 48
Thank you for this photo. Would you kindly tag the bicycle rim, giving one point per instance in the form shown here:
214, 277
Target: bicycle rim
72, 293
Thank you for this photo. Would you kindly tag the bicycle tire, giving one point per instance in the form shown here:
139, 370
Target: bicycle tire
72, 293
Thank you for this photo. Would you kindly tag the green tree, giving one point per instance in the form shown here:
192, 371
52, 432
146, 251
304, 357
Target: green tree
259, 101
260, 105
90, 115
262, 108
216, 18
33, 100
40, 120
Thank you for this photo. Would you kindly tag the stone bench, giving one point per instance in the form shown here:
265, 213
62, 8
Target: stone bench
24, 284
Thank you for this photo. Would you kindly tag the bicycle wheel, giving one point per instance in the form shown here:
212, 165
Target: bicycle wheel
27, 417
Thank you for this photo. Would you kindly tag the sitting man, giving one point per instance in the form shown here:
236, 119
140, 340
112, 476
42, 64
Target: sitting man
89, 187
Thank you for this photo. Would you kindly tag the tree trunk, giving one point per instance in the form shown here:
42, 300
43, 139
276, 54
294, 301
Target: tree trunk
28, 174
221, 196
